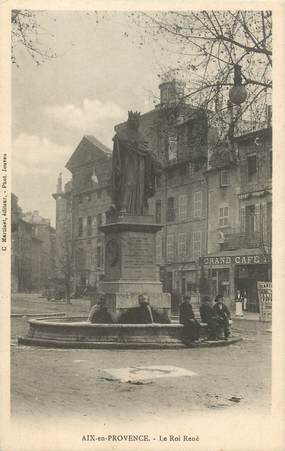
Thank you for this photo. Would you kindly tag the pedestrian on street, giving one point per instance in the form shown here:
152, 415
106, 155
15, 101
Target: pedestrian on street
223, 314
244, 304
187, 318
239, 303
209, 316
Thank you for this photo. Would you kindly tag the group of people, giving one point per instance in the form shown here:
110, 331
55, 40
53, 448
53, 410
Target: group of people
217, 317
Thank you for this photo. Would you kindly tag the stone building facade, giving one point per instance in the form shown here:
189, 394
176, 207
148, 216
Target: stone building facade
21, 249
43, 250
80, 210
240, 217
32, 250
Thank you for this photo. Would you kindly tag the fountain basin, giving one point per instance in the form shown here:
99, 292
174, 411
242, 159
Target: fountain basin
77, 332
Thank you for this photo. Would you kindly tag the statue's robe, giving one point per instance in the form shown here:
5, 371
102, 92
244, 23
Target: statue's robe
133, 172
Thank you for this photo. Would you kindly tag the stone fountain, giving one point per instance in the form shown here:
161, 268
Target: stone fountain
130, 263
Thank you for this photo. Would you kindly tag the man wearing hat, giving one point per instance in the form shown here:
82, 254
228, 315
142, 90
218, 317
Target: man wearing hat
208, 316
223, 314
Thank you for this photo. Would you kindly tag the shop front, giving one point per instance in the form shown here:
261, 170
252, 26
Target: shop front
238, 270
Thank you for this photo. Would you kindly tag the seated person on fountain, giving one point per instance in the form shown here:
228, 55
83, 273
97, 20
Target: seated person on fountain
209, 316
187, 318
143, 314
223, 314
99, 312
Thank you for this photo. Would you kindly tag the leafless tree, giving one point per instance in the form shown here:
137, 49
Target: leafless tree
65, 268
27, 32
203, 49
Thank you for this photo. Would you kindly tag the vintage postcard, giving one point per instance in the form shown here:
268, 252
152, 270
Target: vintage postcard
142, 217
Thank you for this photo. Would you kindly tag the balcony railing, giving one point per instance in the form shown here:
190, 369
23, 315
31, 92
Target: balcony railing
242, 240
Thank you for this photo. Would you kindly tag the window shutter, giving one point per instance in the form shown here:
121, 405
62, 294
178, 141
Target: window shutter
264, 222
175, 246
189, 207
242, 219
257, 218
163, 244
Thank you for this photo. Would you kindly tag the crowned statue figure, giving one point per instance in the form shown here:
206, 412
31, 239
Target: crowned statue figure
134, 169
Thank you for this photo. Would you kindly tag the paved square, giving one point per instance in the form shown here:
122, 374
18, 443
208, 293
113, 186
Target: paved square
136, 373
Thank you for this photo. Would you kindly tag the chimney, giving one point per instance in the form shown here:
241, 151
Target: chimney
171, 92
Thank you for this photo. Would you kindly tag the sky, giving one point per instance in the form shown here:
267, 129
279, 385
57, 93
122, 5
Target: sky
98, 75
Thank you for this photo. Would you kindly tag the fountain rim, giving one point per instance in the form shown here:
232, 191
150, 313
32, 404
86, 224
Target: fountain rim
65, 321
122, 336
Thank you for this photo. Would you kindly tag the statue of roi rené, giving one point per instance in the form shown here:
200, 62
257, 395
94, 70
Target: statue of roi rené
134, 169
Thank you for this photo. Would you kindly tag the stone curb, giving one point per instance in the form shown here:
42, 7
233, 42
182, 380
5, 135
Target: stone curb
115, 345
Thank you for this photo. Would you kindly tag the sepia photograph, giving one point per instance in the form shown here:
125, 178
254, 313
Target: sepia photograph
137, 201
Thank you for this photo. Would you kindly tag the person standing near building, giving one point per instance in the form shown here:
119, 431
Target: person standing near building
223, 315
187, 318
239, 303
244, 303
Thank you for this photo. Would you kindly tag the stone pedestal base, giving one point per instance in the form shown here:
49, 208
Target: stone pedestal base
118, 303
130, 265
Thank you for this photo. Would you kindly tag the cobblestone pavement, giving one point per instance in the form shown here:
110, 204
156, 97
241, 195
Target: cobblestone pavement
73, 382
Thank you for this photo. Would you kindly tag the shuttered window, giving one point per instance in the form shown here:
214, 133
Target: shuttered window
224, 215
170, 209
197, 204
170, 247
158, 248
197, 242
182, 202
242, 219
257, 218
182, 244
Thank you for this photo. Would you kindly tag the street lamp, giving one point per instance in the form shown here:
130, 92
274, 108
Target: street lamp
238, 92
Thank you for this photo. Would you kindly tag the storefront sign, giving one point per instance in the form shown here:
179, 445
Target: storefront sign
235, 259
264, 290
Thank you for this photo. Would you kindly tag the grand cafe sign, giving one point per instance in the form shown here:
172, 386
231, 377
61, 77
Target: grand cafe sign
236, 260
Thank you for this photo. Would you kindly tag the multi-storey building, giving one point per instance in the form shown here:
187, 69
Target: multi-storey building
32, 249
180, 205
43, 249
239, 216
80, 210
21, 249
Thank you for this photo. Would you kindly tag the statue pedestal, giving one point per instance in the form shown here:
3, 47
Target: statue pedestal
130, 266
